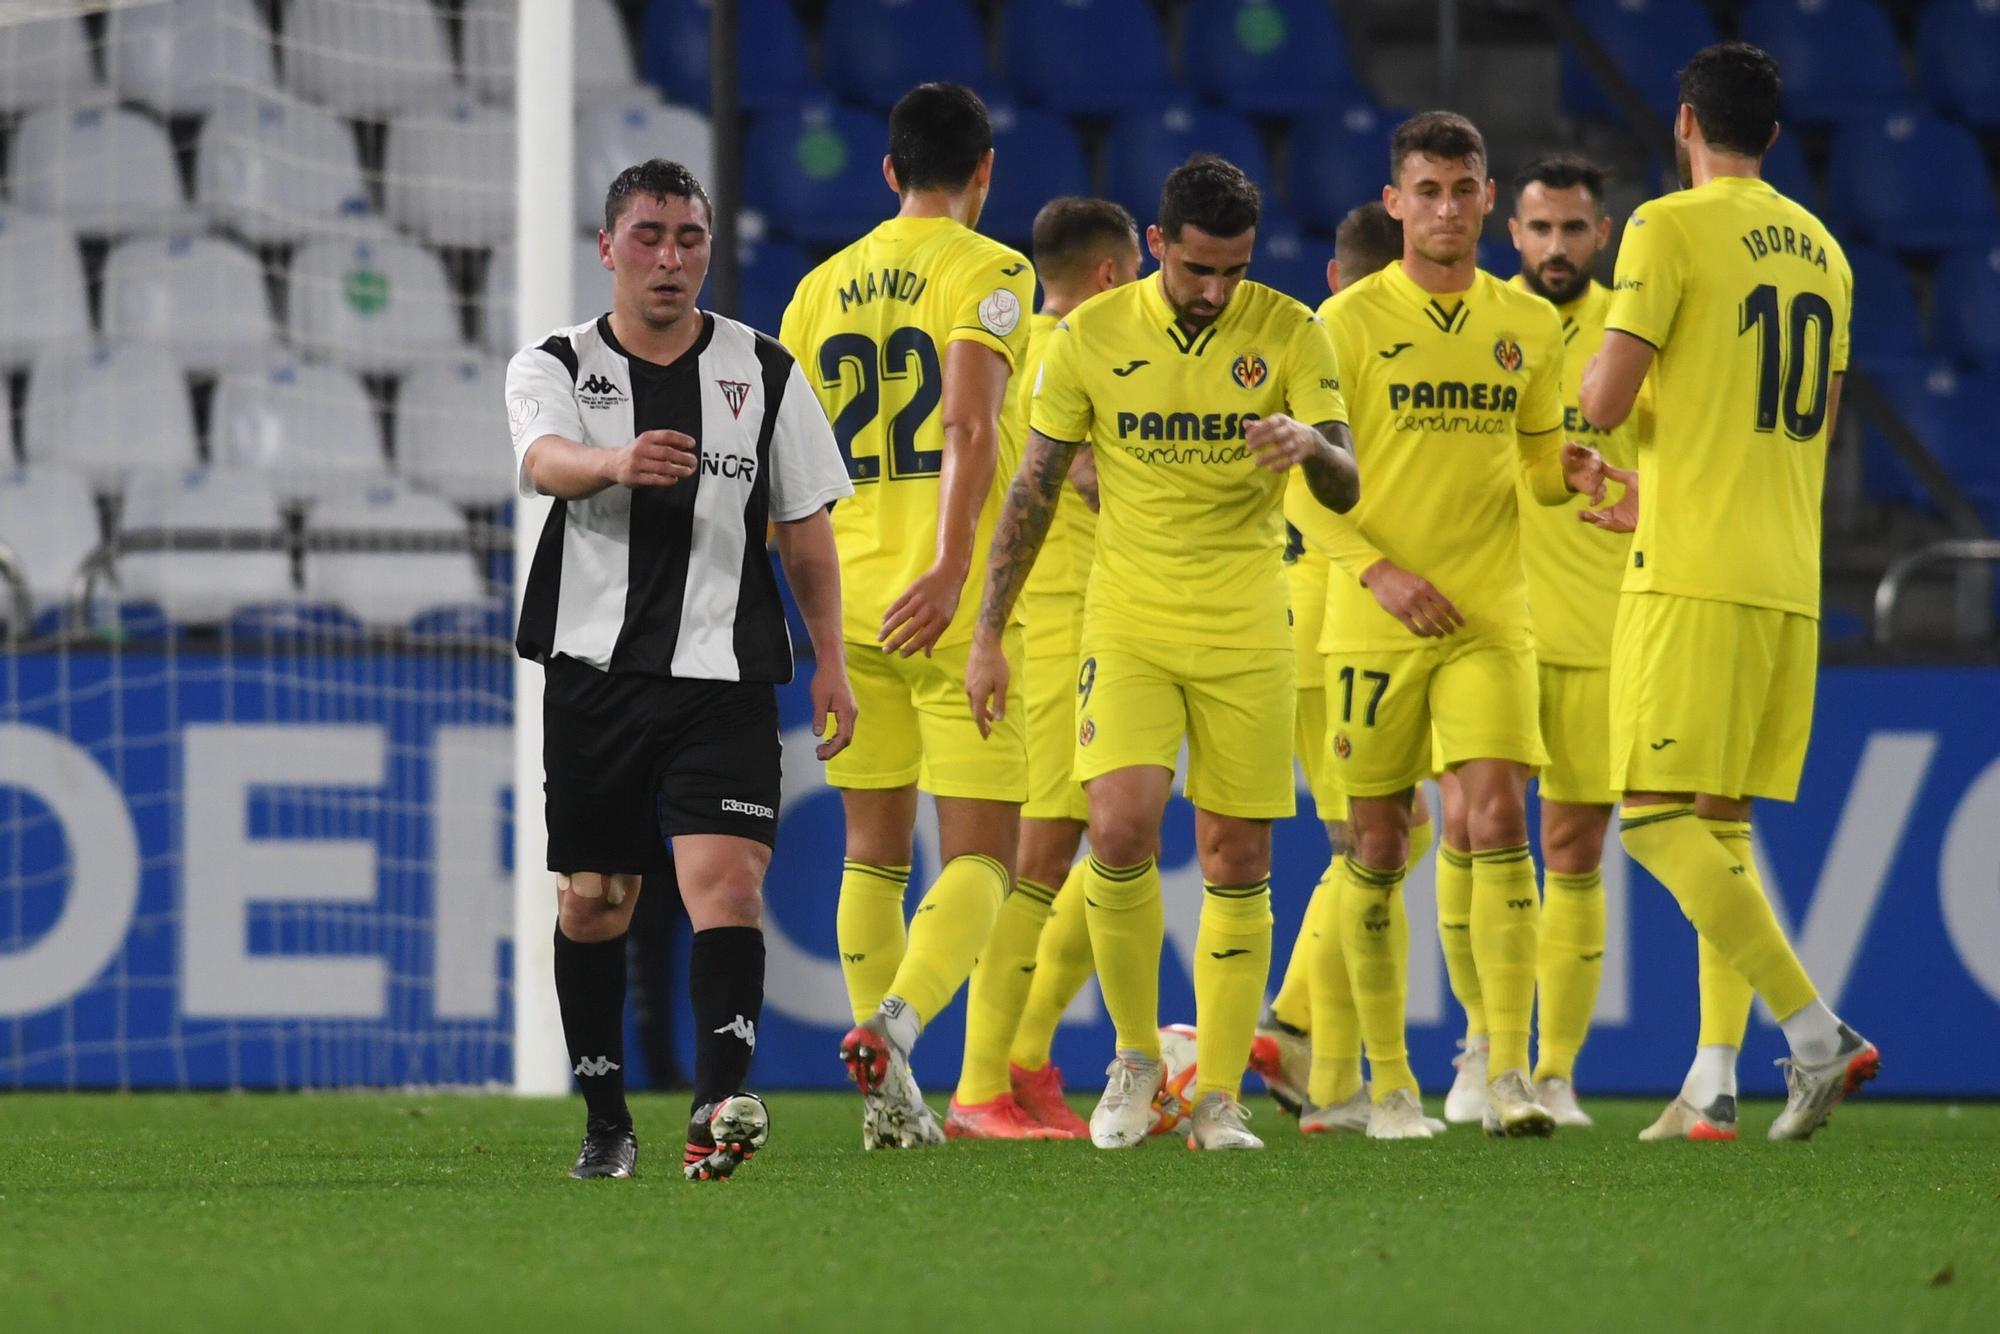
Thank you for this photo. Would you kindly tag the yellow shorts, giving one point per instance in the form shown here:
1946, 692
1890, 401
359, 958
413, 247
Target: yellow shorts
1383, 705
1313, 745
915, 726
1051, 688
1576, 723
1137, 699
1710, 696
1306, 579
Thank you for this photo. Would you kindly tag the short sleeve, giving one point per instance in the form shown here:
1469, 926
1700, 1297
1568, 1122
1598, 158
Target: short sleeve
541, 400
991, 305
1646, 289
1541, 407
1060, 408
807, 472
1842, 319
1312, 375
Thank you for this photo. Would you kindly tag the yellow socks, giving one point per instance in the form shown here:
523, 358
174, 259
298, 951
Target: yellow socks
999, 990
1063, 963
1336, 1025
948, 932
1232, 961
1725, 996
1569, 968
1375, 940
1128, 925
1294, 1001
869, 928
1505, 910
1420, 844
1454, 900
1721, 896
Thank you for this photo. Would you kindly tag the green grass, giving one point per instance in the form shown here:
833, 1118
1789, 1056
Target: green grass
442, 1213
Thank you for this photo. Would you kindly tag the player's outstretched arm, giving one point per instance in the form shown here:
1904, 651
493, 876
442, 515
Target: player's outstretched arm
812, 568
569, 470
1017, 539
1611, 379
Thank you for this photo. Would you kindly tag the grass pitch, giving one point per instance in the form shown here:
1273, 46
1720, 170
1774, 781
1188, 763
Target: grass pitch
255, 1212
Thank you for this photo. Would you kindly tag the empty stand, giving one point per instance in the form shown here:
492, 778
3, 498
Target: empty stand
602, 55
182, 58
202, 298
47, 63
613, 137
451, 432
1266, 57
877, 50
590, 294
1958, 58
42, 299
1968, 309
105, 169
816, 173
373, 305
387, 588
205, 587
448, 174
48, 519
1036, 157
1910, 181
1885, 324
112, 411
1649, 41
1086, 57
1340, 159
773, 67
276, 169
1840, 58
1145, 145
368, 60
309, 430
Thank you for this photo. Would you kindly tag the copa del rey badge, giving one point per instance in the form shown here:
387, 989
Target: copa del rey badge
1000, 312
734, 392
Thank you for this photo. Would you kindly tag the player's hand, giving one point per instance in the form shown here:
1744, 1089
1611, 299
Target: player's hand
1412, 599
654, 458
916, 619
1584, 470
831, 694
986, 679
1622, 515
1281, 443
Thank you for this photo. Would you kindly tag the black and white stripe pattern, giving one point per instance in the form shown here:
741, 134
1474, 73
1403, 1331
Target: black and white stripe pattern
671, 581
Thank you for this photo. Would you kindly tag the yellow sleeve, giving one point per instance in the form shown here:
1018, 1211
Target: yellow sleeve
1312, 375
1339, 536
1646, 289
991, 304
1060, 408
1841, 319
1538, 421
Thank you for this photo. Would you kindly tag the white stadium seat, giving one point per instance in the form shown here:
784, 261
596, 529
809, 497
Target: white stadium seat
46, 62
590, 294
201, 297
203, 587
181, 58
372, 305
449, 174
602, 56
275, 169
48, 518
43, 303
612, 138
105, 169
112, 411
451, 432
311, 430
389, 588
368, 58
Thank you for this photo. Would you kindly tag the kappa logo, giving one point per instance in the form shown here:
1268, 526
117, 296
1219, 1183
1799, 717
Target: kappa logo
741, 1029
592, 1066
1249, 371
731, 806
597, 392
735, 393
1507, 351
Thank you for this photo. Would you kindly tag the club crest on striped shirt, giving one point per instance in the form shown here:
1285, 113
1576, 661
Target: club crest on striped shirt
735, 392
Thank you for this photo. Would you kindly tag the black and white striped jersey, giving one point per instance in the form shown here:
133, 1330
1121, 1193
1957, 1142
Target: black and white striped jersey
671, 581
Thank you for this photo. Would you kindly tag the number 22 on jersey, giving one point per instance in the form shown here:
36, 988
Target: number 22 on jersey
903, 367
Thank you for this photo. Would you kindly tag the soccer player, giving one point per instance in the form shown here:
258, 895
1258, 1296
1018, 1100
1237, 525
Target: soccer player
1193, 389
1736, 300
1455, 384
669, 437
910, 335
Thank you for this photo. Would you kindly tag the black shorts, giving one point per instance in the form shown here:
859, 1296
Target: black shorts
629, 762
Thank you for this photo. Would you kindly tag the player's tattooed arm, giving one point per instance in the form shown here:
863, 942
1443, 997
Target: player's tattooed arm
1083, 475
1023, 524
1331, 473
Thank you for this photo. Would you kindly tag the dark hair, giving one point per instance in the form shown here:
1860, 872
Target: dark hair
937, 133
1076, 230
655, 178
1733, 88
1439, 134
1562, 171
1211, 194
1366, 240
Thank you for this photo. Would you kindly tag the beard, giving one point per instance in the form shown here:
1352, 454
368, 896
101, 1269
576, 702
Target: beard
1560, 292
1684, 165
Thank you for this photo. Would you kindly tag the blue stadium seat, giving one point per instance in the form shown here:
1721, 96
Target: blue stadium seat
1785, 168
772, 69
1340, 158
1910, 181
1885, 478
1085, 57
816, 173
1649, 41
1886, 328
1289, 260
1145, 145
1498, 256
769, 272
1955, 412
1968, 302
877, 50
1958, 58
1840, 58
1266, 57
1036, 157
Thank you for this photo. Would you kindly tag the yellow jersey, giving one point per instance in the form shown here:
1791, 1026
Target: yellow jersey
1453, 397
1575, 568
1190, 533
870, 327
1052, 601
1747, 299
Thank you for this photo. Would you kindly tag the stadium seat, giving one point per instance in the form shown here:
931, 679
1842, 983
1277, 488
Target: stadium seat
180, 59
1266, 57
276, 170
612, 137
107, 170
1910, 181
1958, 58
590, 294
1649, 41
1145, 145
448, 175
450, 423
205, 587
877, 50
1968, 309
816, 173
1287, 259
602, 54
42, 298
772, 69
1036, 157
769, 272
1840, 58
111, 411
372, 305
386, 589
1085, 57
1340, 159
202, 298
369, 61
1785, 168
1953, 412
46, 60
48, 519
311, 430
1885, 328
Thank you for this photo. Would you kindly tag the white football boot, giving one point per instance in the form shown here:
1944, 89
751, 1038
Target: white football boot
1220, 1122
1124, 1114
1511, 1109
1398, 1116
1813, 1091
1338, 1118
1282, 1057
1715, 1123
1465, 1105
1559, 1098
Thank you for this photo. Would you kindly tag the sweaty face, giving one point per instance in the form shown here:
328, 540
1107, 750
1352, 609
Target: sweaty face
1200, 272
658, 257
1559, 234
1441, 204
